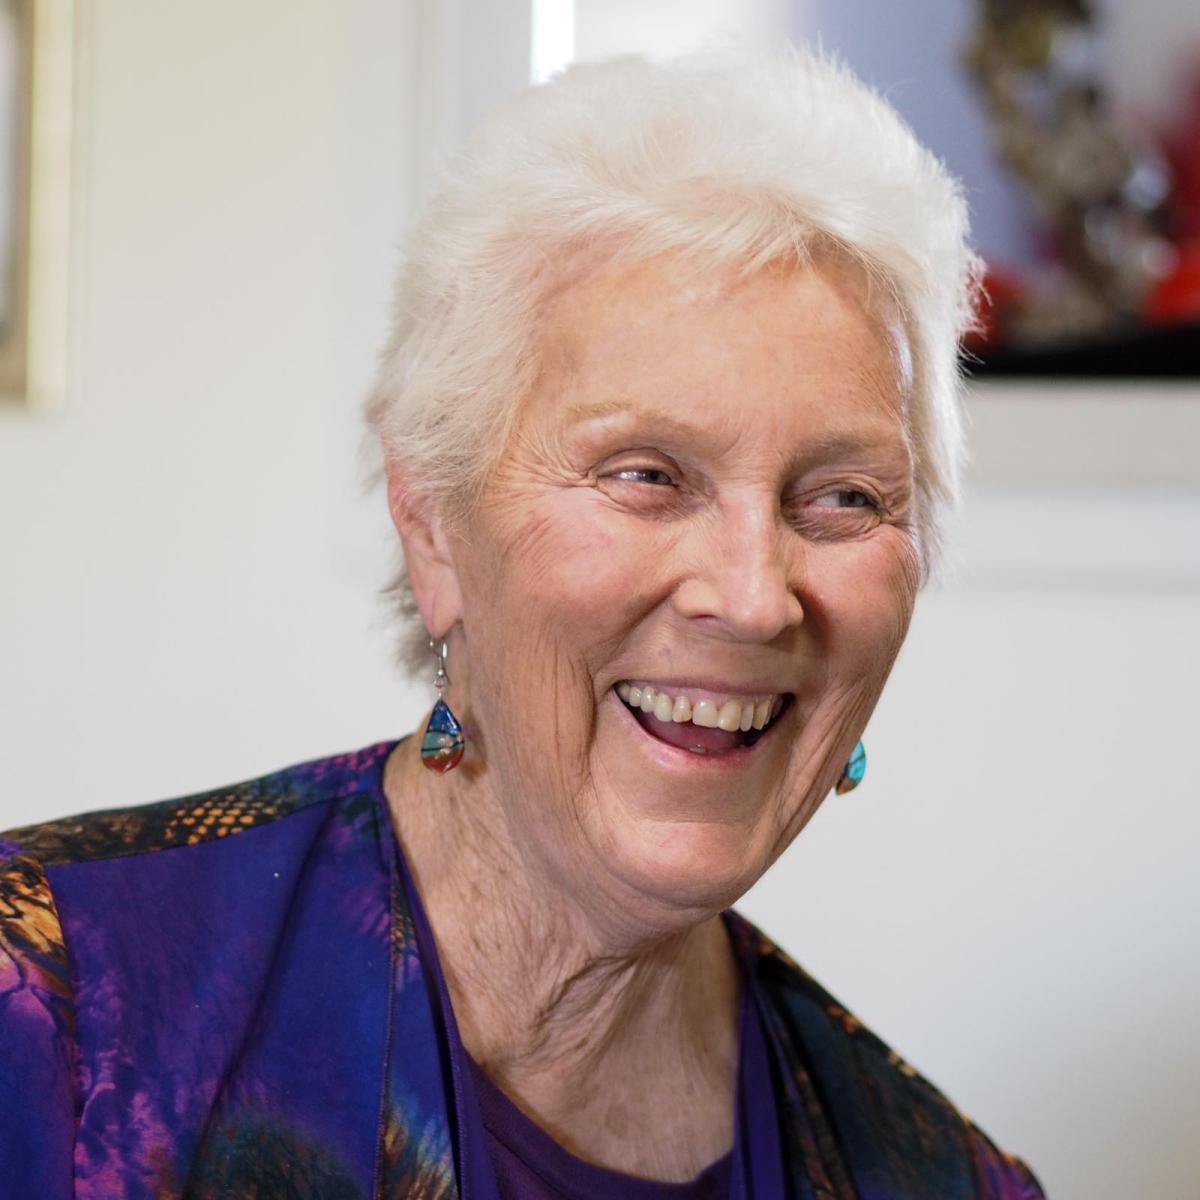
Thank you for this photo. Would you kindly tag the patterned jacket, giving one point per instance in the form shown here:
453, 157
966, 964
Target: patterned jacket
221, 996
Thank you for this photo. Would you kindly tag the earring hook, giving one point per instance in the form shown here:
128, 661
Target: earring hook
441, 653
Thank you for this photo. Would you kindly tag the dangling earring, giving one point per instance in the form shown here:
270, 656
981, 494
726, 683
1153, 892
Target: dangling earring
853, 771
443, 744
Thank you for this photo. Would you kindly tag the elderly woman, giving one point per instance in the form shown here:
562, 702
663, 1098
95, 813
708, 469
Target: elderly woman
669, 421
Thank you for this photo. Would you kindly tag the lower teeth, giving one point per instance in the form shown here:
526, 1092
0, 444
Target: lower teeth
697, 750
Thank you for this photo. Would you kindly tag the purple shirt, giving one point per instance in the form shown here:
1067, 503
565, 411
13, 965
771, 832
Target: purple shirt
531, 1165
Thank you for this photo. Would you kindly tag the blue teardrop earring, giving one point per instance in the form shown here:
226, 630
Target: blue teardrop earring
853, 771
443, 744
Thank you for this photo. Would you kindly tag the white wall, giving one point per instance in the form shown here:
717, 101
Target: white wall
664, 28
188, 574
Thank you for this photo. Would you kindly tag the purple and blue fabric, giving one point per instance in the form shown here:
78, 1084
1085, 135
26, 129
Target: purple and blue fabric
236, 995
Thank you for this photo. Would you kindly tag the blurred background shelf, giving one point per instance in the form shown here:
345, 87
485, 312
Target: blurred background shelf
1089, 486
1170, 352
1130, 433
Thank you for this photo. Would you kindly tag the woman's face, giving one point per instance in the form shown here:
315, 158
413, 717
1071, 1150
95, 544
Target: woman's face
709, 493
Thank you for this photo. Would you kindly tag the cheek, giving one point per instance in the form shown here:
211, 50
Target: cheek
863, 599
562, 579
583, 557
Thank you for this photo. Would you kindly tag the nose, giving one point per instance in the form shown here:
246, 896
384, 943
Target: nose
743, 576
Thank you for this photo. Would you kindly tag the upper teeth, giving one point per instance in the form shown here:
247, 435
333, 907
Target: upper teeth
730, 714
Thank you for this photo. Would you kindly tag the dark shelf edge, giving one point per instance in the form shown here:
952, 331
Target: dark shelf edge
1171, 352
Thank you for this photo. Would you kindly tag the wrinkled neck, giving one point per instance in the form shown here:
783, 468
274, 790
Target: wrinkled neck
546, 984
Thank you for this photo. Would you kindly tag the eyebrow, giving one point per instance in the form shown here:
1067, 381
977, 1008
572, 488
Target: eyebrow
825, 445
579, 414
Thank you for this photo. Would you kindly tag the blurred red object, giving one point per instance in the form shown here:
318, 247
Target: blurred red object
1181, 144
1003, 295
1176, 297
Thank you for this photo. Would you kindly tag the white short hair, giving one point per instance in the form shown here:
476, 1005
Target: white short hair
736, 161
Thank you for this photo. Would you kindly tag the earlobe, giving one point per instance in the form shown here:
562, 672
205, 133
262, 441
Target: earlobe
428, 554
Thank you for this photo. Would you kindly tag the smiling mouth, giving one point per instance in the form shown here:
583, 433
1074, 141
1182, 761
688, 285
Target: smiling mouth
702, 740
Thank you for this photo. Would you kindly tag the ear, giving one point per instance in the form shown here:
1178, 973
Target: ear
427, 553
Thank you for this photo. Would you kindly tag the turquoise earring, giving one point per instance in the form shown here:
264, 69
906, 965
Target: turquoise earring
853, 771
443, 744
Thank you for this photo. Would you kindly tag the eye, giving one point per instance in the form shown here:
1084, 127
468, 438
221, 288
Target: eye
661, 478
837, 514
846, 498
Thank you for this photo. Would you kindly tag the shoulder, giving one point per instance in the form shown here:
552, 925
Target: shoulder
47, 866
111, 881
889, 1122
82, 892
192, 820
144, 937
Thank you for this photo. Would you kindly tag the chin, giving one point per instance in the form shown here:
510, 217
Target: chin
692, 868
692, 832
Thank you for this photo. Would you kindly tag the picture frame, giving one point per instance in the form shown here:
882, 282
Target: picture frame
36, 108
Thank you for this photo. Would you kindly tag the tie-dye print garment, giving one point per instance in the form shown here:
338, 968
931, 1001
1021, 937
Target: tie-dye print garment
223, 997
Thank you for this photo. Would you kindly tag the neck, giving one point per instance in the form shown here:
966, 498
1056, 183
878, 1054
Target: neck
550, 989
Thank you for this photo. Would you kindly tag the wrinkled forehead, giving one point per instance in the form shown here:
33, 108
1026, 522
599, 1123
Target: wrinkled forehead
613, 298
